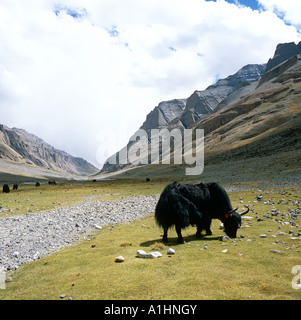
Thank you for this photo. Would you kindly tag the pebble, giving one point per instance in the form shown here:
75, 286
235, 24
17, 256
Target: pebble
223, 238
119, 259
171, 251
148, 255
32, 236
275, 251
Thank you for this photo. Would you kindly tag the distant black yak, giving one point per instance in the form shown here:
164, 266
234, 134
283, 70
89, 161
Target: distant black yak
52, 182
15, 187
37, 184
183, 205
6, 188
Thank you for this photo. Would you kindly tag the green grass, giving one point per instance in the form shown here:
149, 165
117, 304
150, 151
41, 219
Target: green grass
248, 270
28, 198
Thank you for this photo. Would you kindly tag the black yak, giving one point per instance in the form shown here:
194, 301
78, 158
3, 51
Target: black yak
183, 205
15, 187
6, 188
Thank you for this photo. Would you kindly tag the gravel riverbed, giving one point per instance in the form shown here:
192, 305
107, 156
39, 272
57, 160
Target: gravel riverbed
28, 237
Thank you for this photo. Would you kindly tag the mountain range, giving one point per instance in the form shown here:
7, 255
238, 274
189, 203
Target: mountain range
24, 154
250, 119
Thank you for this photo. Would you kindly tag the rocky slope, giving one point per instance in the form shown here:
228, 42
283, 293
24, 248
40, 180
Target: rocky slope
201, 103
19, 147
255, 128
182, 113
283, 52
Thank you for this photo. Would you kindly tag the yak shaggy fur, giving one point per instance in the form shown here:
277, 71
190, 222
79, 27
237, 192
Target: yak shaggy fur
183, 205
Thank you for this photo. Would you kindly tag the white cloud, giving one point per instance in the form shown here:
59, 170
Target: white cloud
71, 70
288, 9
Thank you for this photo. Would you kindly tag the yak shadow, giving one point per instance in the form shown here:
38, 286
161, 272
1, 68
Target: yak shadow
174, 240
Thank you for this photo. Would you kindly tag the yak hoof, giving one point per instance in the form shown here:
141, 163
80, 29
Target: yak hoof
181, 241
198, 235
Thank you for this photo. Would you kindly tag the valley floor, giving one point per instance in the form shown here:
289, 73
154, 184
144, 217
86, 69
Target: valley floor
257, 265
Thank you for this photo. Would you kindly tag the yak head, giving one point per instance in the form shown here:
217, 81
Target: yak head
232, 222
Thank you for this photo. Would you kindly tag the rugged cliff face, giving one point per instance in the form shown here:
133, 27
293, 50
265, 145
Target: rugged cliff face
283, 52
164, 114
256, 124
183, 113
201, 103
21, 147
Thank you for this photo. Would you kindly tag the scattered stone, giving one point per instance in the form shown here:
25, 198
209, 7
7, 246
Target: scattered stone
62, 296
275, 251
224, 251
223, 238
259, 197
280, 233
32, 236
119, 259
171, 251
247, 217
262, 235
149, 255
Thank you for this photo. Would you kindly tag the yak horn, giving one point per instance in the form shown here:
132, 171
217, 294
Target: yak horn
233, 210
242, 213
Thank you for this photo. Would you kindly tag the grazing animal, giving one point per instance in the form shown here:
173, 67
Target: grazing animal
52, 182
15, 187
6, 188
37, 184
183, 205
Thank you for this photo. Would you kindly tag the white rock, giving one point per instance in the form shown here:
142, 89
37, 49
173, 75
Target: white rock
156, 254
119, 259
171, 251
247, 217
224, 251
224, 238
16, 254
141, 253
148, 255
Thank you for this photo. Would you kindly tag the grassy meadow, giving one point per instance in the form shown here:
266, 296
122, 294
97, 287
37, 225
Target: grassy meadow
200, 269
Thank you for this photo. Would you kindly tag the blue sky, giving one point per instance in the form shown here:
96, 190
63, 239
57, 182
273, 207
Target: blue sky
83, 75
253, 4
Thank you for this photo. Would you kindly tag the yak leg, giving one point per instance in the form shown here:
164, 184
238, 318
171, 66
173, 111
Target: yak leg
179, 233
199, 231
205, 225
207, 228
165, 235
208, 231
